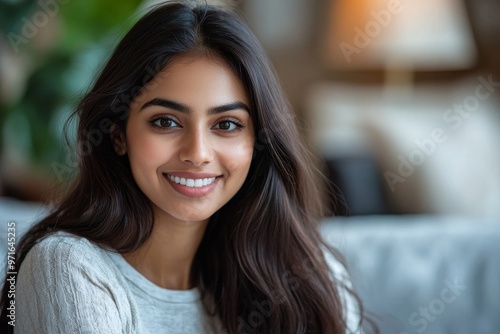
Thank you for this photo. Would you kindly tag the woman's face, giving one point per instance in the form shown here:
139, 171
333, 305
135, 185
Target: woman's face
190, 137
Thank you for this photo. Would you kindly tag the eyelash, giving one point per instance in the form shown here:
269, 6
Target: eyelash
157, 118
232, 120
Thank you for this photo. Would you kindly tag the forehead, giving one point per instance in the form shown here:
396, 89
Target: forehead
198, 81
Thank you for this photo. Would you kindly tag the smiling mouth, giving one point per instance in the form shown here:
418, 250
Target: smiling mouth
192, 183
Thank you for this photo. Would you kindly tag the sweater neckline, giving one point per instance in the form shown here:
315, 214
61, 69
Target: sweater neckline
168, 295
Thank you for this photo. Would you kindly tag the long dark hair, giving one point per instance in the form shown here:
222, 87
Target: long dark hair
260, 266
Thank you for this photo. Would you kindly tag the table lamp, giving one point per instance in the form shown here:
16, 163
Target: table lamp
398, 36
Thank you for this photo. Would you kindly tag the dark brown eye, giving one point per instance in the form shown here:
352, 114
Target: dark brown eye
165, 122
228, 126
225, 125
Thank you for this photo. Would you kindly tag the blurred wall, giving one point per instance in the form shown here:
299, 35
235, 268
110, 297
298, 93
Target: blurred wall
354, 116
356, 120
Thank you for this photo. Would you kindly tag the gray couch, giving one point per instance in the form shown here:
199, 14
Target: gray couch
415, 274
424, 274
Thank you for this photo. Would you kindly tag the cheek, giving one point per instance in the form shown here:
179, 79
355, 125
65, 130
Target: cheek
146, 151
239, 157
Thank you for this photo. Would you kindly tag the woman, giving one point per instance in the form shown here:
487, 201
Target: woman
195, 208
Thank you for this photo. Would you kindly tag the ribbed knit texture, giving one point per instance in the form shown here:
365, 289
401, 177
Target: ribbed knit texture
66, 284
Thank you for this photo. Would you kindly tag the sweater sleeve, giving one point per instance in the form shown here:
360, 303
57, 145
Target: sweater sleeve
64, 285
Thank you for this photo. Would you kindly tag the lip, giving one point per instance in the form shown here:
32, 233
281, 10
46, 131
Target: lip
194, 192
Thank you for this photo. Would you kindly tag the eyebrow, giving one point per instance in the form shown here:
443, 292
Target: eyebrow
186, 110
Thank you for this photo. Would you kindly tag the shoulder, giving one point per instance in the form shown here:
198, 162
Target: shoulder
70, 257
65, 249
67, 277
340, 276
66, 241
63, 260
338, 271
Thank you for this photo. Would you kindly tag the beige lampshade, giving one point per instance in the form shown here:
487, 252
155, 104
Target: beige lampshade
419, 35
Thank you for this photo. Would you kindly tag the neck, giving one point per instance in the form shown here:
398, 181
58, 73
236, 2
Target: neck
166, 258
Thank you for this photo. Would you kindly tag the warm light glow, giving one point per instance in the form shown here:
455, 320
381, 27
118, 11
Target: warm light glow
403, 34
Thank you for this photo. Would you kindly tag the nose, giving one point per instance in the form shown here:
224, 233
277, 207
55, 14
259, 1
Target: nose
196, 148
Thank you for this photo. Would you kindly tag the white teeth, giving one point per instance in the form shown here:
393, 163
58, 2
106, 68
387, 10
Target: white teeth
192, 183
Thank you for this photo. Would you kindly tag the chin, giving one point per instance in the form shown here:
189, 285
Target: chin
190, 214
195, 218
186, 212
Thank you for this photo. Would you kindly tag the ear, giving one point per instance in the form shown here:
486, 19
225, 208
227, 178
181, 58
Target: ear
118, 139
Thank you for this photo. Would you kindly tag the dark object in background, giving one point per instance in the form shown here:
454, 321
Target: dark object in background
355, 186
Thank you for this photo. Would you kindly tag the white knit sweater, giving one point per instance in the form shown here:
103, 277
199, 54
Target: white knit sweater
66, 284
